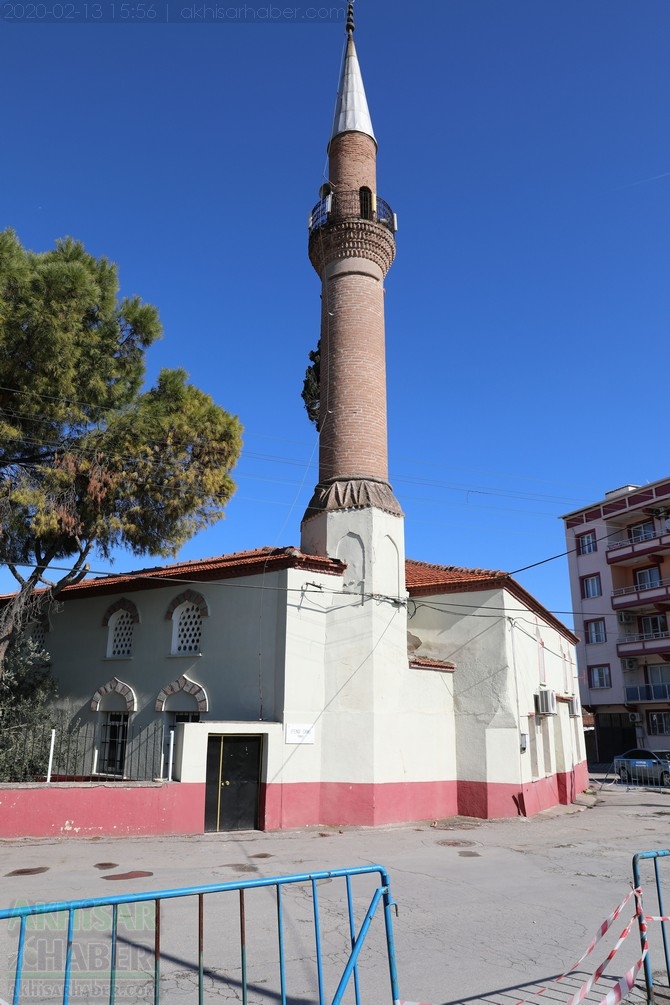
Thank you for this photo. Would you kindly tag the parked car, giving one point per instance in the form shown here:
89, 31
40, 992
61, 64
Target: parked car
647, 767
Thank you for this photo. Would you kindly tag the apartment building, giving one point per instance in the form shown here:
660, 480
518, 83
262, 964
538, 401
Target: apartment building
619, 564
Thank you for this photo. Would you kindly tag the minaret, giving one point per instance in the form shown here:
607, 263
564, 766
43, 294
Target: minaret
353, 514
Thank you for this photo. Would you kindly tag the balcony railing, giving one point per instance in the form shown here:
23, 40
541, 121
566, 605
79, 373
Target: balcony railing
648, 692
625, 591
623, 542
352, 205
626, 550
644, 636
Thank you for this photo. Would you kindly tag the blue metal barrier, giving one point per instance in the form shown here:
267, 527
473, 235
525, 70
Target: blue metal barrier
652, 904
111, 935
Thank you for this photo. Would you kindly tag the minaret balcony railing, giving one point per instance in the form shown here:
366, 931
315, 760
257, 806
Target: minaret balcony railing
352, 205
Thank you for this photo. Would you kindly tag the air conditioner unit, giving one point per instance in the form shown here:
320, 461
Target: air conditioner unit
634, 717
545, 703
625, 618
629, 663
573, 707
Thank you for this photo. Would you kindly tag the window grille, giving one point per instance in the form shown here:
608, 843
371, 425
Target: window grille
38, 634
113, 740
121, 629
188, 630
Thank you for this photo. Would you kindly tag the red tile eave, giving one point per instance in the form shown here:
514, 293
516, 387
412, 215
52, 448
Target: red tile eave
422, 663
234, 566
449, 579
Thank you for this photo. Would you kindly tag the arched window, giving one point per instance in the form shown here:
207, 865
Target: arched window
365, 195
38, 634
186, 613
115, 701
120, 620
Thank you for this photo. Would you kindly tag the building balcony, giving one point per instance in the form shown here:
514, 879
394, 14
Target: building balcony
627, 551
641, 595
644, 644
647, 692
352, 205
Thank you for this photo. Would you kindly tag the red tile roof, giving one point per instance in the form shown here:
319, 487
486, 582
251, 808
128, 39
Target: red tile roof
422, 578
425, 580
423, 663
240, 563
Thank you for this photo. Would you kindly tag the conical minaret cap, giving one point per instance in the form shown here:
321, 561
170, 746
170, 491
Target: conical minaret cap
351, 110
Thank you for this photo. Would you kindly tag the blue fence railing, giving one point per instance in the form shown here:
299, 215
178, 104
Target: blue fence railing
652, 917
242, 937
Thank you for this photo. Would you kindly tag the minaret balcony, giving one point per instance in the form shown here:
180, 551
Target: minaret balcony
356, 204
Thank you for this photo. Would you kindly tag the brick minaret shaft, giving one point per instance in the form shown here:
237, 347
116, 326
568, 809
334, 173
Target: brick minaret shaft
352, 246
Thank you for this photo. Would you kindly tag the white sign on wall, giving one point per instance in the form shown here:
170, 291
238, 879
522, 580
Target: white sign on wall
300, 732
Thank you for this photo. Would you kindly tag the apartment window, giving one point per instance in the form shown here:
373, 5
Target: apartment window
647, 579
587, 543
595, 630
591, 586
659, 673
641, 531
654, 626
599, 677
658, 723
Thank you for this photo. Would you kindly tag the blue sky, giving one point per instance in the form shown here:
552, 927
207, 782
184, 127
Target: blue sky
524, 146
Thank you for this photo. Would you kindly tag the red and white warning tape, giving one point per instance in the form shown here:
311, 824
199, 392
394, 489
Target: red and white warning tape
626, 983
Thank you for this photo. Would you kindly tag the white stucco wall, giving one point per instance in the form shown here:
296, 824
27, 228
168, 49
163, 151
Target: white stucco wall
242, 648
504, 654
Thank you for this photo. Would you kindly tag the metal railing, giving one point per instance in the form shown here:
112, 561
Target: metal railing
38, 754
644, 636
647, 692
351, 205
235, 939
653, 936
625, 542
639, 588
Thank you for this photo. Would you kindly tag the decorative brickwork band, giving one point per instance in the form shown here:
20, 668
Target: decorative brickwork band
353, 493
189, 687
122, 605
120, 688
352, 239
188, 597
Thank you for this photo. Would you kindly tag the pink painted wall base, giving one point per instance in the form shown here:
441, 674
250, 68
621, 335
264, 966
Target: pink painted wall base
341, 804
489, 799
85, 810
89, 809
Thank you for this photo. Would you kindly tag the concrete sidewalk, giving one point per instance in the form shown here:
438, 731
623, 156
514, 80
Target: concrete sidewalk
488, 911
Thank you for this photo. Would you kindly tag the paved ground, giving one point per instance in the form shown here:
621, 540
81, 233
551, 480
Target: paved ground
487, 911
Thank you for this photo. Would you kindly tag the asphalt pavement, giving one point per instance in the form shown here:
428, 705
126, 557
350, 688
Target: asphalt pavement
487, 911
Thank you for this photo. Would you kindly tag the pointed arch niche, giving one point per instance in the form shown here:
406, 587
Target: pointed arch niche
120, 620
186, 686
186, 613
115, 696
